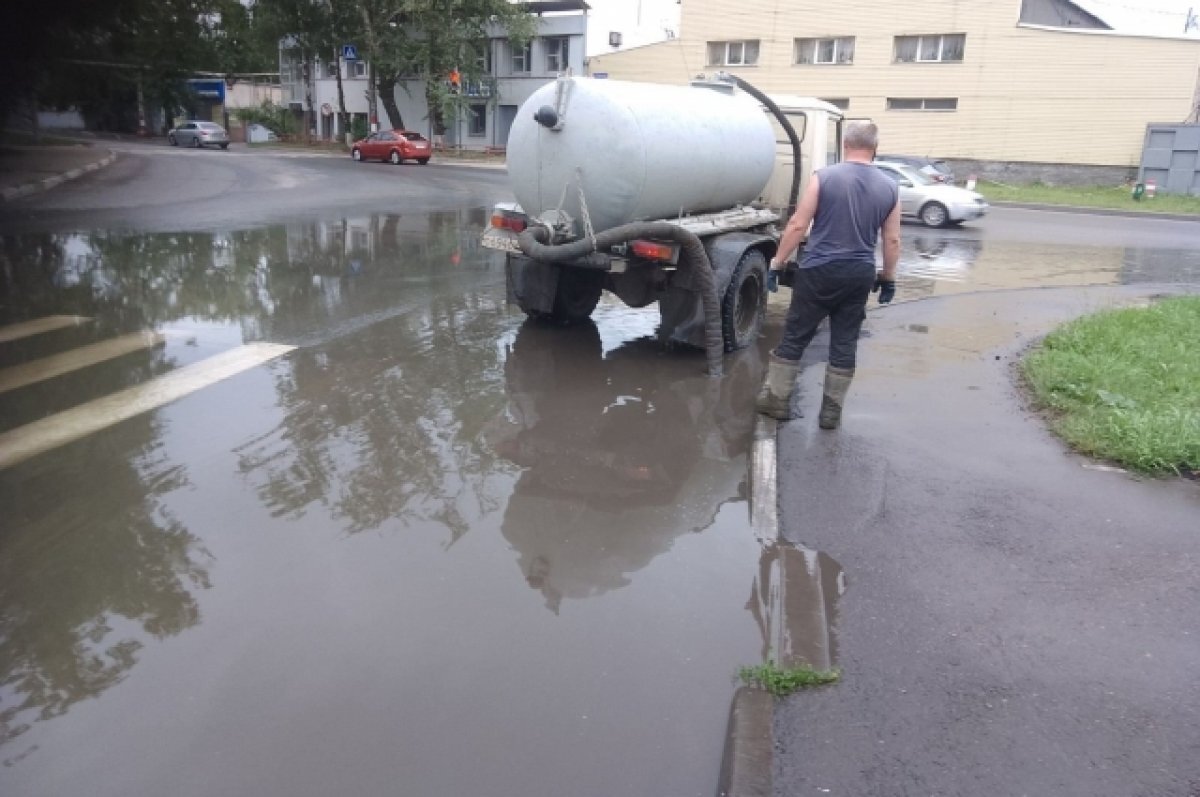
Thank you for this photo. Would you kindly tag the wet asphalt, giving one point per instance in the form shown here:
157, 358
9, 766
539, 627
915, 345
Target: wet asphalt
438, 550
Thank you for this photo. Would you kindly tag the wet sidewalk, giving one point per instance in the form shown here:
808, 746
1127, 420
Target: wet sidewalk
1020, 619
28, 169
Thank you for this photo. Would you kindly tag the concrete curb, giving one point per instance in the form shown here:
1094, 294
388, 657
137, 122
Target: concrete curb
1129, 214
49, 182
749, 744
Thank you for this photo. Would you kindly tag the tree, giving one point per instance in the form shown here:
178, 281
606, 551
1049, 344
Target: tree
304, 26
429, 39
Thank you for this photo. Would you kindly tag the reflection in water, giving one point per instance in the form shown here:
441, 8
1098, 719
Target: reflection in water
622, 453
85, 583
273, 283
794, 603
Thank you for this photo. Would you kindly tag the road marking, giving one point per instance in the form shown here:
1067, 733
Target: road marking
37, 326
82, 357
18, 445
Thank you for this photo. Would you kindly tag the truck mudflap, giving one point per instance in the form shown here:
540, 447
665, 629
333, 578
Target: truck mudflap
681, 307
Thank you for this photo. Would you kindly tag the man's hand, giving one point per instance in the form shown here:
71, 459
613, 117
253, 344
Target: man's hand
886, 288
774, 269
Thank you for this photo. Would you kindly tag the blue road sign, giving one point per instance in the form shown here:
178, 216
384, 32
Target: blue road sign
599, 75
349, 52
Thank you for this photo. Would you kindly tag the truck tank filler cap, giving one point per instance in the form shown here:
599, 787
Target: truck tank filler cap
546, 116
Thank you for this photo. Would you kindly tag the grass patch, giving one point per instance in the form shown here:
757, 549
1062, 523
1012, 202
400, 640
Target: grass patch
1124, 385
1096, 196
18, 138
781, 681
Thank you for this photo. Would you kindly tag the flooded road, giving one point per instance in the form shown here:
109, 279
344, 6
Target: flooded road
420, 547
431, 549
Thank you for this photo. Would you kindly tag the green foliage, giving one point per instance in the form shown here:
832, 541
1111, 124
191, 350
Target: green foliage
358, 128
1124, 385
782, 681
271, 116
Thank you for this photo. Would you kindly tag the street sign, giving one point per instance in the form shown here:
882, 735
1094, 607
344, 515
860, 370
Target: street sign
349, 52
208, 89
599, 75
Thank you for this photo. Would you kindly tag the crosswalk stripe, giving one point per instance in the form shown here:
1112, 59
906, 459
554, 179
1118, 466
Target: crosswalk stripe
37, 326
18, 445
59, 364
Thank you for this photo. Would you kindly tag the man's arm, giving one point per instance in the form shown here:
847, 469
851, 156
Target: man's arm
797, 227
891, 243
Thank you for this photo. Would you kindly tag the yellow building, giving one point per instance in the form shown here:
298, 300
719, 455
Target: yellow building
1007, 82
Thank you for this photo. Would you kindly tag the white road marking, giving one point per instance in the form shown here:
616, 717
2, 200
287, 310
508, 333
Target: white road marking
82, 357
37, 326
43, 435
764, 498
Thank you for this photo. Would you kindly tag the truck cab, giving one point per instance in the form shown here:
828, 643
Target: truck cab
818, 124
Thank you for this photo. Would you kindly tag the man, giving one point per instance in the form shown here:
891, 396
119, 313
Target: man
848, 205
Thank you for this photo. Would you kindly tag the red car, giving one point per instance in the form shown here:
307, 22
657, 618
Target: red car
396, 146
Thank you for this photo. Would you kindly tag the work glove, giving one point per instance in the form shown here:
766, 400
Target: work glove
886, 288
773, 280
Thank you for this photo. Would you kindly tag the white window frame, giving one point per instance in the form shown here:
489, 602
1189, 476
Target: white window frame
926, 104
841, 44
558, 51
727, 49
523, 56
921, 42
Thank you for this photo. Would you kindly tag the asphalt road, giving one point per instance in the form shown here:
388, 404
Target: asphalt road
411, 539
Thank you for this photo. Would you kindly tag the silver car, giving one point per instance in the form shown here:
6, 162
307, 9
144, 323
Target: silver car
199, 134
935, 204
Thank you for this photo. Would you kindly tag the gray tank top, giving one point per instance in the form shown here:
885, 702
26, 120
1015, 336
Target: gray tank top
852, 204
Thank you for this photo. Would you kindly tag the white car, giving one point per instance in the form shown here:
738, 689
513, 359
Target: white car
935, 204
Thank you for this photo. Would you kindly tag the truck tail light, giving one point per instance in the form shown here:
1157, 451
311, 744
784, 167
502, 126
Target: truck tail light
504, 220
652, 250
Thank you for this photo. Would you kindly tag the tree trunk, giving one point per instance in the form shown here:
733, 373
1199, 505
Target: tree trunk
308, 98
386, 86
343, 117
437, 119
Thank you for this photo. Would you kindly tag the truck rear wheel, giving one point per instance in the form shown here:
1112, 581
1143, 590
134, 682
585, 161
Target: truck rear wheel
577, 295
745, 301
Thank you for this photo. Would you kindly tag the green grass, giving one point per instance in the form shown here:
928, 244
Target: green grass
1097, 196
781, 681
1124, 385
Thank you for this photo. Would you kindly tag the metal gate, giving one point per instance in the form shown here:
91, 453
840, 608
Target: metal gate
1171, 158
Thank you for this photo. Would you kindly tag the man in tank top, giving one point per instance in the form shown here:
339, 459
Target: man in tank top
848, 205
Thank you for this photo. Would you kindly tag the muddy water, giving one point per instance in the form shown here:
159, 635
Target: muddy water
434, 550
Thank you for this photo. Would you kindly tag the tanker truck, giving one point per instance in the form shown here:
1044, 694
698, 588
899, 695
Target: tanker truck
656, 193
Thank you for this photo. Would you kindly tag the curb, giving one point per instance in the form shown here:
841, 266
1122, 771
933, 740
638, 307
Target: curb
42, 185
1129, 214
746, 769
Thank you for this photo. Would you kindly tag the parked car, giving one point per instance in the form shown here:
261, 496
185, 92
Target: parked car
939, 170
935, 204
396, 146
199, 134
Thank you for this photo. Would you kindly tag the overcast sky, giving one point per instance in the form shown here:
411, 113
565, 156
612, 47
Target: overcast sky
639, 22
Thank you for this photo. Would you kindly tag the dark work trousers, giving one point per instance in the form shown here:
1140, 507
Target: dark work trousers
837, 290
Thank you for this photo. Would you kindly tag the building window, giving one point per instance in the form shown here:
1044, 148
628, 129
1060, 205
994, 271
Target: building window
744, 53
944, 48
922, 103
331, 69
841, 103
522, 57
838, 50
556, 54
360, 68
478, 120
484, 60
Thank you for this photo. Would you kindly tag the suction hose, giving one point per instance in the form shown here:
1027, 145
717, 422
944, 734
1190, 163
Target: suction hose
785, 123
579, 253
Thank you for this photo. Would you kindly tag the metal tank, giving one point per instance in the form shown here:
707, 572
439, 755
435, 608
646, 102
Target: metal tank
637, 150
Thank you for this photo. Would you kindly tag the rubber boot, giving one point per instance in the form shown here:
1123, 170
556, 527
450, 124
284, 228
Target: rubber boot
837, 382
775, 398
